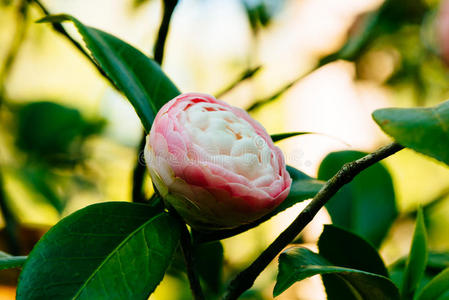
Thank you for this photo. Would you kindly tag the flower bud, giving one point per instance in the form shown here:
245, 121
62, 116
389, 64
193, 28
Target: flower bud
214, 164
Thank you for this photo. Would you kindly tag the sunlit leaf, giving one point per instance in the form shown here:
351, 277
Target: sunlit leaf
112, 250
281, 136
417, 260
296, 264
425, 130
437, 288
137, 76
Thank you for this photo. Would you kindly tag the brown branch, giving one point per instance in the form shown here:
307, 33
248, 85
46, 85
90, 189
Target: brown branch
260, 102
245, 75
245, 279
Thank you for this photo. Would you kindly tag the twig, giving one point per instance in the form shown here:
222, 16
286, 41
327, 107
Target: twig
245, 279
169, 7
186, 246
139, 167
350, 50
260, 102
19, 35
60, 29
139, 174
246, 75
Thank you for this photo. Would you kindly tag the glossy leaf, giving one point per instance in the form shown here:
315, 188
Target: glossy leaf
137, 76
425, 130
8, 261
437, 288
208, 259
303, 187
282, 136
366, 205
298, 263
436, 262
112, 250
346, 249
417, 260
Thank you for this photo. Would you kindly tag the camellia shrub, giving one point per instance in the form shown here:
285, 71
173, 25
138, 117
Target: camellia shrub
216, 174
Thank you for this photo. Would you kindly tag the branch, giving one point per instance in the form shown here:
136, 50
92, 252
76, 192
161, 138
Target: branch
246, 75
186, 246
19, 36
245, 279
169, 7
139, 174
60, 29
139, 167
260, 102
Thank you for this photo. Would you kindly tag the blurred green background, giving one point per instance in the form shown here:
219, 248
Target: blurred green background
68, 139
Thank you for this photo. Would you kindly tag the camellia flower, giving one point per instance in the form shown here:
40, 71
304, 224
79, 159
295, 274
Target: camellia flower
215, 165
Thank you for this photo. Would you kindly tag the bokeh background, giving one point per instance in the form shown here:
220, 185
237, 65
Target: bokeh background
68, 139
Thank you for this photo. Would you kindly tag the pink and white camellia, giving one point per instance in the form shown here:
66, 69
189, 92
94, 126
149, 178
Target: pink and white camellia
215, 165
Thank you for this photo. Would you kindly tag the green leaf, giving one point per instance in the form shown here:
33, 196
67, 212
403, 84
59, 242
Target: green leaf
357, 41
137, 76
208, 259
417, 260
346, 249
368, 28
303, 187
112, 250
438, 260
437, 288
298, 263
44, 182
281, 136
425, 130
261, 12
366, 205
53, 133
8, 261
